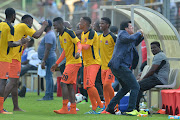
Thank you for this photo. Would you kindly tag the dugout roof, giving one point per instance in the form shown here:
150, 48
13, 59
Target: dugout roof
155, 26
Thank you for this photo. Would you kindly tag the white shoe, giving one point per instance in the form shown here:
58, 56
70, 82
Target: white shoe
118, 113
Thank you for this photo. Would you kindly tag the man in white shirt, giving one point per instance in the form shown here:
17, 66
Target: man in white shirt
32, 58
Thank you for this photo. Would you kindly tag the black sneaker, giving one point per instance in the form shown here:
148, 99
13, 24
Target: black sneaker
123, 113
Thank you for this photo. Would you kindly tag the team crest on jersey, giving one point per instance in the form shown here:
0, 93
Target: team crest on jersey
106, 42
85, 40
100, 41
65, 41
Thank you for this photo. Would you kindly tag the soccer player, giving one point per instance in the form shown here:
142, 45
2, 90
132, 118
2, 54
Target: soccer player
98, 81
92, 62
107, 43
71, 50
21, 30
6, 52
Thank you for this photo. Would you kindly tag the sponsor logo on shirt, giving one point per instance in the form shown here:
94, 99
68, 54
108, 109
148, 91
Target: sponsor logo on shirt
106, 42
65, 41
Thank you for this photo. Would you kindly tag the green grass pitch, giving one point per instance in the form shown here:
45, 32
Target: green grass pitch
43, 110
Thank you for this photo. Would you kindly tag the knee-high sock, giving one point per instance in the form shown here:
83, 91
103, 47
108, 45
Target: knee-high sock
108, 92
65, 102
73, 108
1, 102
94, 93
92, 99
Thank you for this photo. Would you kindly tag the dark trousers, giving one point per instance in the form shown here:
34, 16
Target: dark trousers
26, 68
128, 83
146, 84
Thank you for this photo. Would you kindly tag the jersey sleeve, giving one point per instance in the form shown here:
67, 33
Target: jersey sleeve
113, 37
29, 31
73, 37
92, 37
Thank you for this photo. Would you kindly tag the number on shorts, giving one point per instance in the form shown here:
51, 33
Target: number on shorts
110, 76
65, 77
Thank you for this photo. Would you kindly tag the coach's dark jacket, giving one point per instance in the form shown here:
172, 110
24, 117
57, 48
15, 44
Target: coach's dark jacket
125, 53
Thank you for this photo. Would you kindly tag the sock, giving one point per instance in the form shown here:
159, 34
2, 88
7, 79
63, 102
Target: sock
65, 102
106, 95
95, 93
64, 109
92, 99
111, 91
117, 108
1, 103
108, 92
73, 107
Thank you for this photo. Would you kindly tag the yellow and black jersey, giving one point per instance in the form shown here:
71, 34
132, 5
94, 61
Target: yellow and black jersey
21, 30
107, 43
90, 56
6, 35
68, 41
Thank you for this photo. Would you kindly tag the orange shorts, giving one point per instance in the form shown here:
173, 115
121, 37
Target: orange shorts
107, 76
15, 69
4, 70
70, 73
90, 73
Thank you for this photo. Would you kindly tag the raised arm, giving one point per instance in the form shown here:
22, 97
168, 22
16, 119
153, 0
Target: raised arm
126, 38
39, 32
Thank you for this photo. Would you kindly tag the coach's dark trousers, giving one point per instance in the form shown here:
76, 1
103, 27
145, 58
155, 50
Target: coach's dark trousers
128, 83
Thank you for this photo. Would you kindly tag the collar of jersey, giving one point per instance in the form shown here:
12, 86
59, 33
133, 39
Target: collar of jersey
87, 31
106, 35
63, 31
